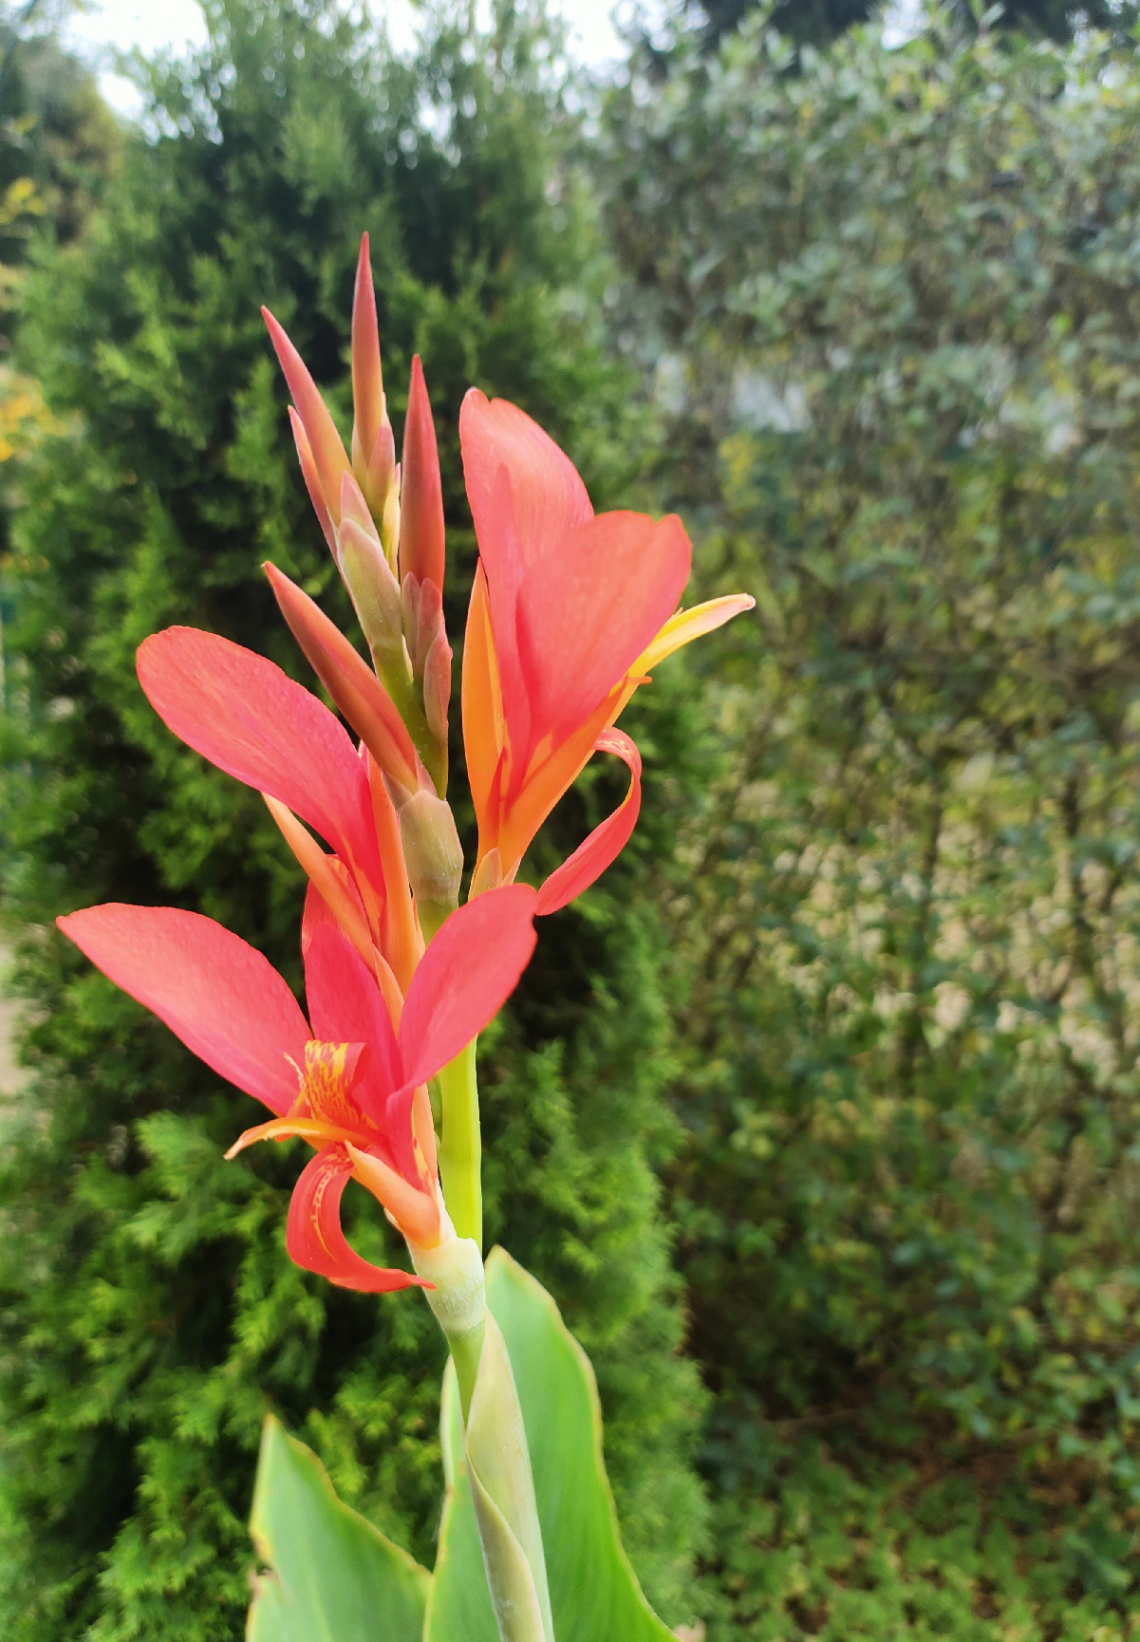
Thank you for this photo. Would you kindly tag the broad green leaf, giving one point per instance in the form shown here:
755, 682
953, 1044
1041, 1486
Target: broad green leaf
594, 1592
333, 1576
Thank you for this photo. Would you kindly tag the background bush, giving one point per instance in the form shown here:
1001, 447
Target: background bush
891, 303
863, 995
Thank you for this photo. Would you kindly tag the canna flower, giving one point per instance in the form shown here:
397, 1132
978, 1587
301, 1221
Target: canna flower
347, 1079
383, 522
569, 613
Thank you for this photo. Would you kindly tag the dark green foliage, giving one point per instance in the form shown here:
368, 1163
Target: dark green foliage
818, 22
895, 318
148, 1314
808, 22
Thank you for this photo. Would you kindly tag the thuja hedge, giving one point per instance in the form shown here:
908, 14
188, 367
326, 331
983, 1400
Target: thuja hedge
894, 313
148, 1314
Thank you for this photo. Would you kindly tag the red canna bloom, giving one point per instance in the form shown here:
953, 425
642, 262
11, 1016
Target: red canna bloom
569, 612
344, 1080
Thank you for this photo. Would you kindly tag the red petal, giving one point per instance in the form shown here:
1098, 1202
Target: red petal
587, 613
246, 716
345, 1006
466, 975
421, 492
607, 840
222, 998
550, 499
314, 1237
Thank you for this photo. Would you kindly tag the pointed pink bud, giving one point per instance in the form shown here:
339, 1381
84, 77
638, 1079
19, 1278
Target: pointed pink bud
312, 479
372, 588
410, 611
381, 467
437, 686
351, 683
353, 505
367, 379
329, 458
421, 494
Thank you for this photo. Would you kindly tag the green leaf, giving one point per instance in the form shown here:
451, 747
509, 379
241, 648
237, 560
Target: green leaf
594, 1592
334, 1577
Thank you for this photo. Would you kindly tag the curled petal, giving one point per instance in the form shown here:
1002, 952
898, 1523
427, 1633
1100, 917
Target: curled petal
314, 1237
607, 840
415, 1212
688, 625
219, 995
314, 1130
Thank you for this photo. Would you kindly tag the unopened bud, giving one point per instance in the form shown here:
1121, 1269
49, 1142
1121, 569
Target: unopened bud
376, 473
390, 521
421, 520
433, 855
372, 588
422, 604
488, 873
437, 685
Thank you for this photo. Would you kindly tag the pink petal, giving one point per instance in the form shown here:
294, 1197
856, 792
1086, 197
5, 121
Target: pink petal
345, 1006
550, 499
246, 716
221, 997
466, 975
587, 613
314, 1237
607, 840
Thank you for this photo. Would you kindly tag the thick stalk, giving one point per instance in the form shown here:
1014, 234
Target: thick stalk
460, 1146
465, 1349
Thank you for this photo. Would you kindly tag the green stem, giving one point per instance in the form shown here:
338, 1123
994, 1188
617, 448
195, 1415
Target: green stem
465, 1351
394, 675
461, 1147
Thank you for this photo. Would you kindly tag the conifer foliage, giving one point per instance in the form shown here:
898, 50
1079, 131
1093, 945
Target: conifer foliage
148, 1315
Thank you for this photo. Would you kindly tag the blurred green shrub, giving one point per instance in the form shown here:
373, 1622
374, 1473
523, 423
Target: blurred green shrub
891, 306
148, 1313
